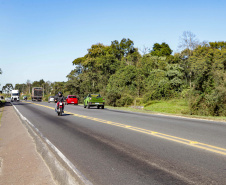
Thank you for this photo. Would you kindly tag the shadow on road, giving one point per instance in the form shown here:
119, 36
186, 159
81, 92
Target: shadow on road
66, 114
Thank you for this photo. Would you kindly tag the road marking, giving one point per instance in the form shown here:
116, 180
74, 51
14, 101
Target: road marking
195, 144
60, 154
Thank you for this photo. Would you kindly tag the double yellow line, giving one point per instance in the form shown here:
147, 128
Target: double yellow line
195, 144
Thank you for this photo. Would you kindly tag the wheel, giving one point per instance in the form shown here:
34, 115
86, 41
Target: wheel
58, 113
61, 111
84, 105
102, 107
88, 106
98, 107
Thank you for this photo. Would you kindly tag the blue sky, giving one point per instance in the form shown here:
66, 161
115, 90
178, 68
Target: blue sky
40, 39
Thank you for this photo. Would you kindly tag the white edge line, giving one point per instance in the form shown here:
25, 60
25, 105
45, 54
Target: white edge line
60, 154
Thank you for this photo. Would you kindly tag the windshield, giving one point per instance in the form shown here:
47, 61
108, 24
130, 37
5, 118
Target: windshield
95, 95
72, 97
15, 94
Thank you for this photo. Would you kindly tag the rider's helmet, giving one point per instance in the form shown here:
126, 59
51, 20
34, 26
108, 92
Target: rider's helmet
60, 94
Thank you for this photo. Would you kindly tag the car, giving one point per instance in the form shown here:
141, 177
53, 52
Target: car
8, 99
25, 98
94, 100
51, 99
71, 99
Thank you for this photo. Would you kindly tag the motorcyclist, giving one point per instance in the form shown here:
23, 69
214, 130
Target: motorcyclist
59, 98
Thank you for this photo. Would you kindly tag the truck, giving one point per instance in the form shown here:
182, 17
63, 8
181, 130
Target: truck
36, 94
15, 95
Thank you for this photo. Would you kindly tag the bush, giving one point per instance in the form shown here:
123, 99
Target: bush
211, 104
125, 100
112, 97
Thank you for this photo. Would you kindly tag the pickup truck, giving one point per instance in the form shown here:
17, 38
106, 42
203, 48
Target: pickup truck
94, 100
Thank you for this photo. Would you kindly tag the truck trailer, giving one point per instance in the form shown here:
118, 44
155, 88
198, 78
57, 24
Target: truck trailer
36, 94
15, 95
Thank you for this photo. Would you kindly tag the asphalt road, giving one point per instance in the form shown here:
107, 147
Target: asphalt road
118, 147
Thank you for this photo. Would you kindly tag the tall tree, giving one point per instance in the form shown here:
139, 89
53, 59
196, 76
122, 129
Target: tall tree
28, 82
122, 49
208, 95
161, 50
7, 88
21, 88
188, 42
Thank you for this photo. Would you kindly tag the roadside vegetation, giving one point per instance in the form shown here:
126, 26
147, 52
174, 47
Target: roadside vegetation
190, 82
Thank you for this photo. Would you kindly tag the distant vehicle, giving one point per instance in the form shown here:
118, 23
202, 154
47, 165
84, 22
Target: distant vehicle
15, 95
51, 99
8, 99
36, 94
25, 98
94, 100
71, 99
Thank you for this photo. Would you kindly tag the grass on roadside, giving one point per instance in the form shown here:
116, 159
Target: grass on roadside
175, 107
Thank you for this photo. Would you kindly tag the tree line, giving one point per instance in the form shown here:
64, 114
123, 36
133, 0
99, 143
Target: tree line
125, 76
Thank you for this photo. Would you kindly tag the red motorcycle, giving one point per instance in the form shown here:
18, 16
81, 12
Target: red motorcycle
60, 108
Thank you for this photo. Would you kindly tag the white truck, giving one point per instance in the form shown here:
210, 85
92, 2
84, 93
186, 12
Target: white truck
15, 95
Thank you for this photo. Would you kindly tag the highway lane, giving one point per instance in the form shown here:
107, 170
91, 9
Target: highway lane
115, 147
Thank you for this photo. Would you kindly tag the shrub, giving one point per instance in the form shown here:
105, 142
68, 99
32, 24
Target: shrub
125, 100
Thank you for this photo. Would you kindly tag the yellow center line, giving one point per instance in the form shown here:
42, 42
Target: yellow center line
195, 144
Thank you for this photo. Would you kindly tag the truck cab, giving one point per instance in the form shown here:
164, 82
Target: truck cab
15, 95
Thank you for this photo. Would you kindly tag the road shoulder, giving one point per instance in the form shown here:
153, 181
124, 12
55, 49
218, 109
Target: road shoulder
20, 163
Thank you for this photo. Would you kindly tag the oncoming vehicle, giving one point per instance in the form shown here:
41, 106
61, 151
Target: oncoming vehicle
71, 99
15, 95
8, 99
36, 94
94, 100
59, 108
51, 99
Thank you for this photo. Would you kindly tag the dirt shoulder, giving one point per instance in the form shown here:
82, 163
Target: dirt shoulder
20, 163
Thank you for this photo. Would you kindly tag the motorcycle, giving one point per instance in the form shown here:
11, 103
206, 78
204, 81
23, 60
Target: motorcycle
60, 108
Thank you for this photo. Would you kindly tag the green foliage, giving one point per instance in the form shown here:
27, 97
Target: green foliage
21, 87
119, 73
161, 50
173, 106
209, 84
7, 88
58, 87
218, 45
